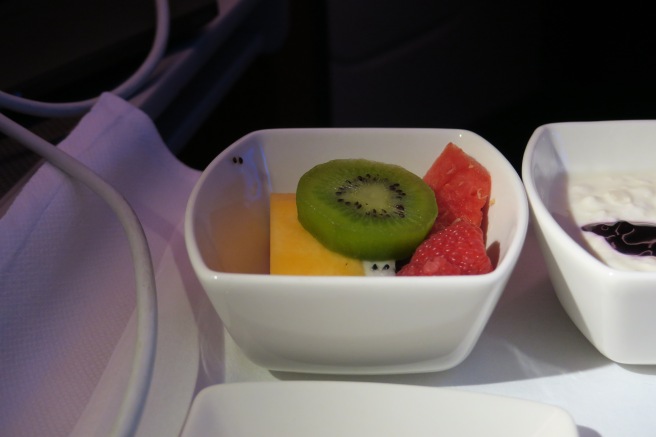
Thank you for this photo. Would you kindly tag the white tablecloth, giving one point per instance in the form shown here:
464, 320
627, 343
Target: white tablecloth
530, 350
67, 313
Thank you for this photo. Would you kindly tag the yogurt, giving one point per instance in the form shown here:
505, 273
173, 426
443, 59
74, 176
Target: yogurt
619, 204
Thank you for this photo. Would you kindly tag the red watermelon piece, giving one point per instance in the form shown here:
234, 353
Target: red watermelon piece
462, 187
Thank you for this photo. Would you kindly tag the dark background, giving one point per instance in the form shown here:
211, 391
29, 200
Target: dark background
498, 68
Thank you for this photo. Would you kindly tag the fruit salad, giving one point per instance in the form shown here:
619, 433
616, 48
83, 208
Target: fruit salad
357, 217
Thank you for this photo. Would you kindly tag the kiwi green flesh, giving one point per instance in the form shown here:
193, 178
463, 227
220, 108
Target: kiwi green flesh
366, 209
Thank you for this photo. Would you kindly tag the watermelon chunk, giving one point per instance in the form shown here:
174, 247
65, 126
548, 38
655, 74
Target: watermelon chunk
462, 187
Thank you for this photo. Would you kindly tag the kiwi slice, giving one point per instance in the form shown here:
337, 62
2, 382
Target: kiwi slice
365, 209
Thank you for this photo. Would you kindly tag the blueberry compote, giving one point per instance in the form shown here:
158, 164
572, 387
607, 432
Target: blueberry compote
627, 238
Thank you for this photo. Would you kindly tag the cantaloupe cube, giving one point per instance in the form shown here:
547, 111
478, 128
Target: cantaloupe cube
294, 251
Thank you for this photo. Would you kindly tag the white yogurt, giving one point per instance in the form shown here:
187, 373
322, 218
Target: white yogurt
608, 198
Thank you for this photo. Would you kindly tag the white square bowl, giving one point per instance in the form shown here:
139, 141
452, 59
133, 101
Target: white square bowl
356, 325
613, 308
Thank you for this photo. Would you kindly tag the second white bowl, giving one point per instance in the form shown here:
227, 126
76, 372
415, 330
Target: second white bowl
613, 308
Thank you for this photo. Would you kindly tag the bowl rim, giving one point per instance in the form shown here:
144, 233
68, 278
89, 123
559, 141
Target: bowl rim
502, 270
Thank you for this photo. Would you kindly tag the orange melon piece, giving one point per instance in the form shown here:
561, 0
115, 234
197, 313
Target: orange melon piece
294, 251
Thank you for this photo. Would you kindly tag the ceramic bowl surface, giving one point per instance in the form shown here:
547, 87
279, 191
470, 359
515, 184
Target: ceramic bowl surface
350, 409
612, 307
356, 325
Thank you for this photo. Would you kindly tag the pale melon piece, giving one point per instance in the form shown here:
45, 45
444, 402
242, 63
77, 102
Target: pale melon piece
294, 251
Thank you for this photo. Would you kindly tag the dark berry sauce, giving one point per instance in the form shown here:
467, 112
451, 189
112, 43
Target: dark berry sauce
627, 238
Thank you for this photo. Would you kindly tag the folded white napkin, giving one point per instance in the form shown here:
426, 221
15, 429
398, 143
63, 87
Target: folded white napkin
67, 288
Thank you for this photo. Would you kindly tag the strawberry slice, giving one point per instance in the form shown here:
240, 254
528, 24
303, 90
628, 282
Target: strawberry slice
458, 249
